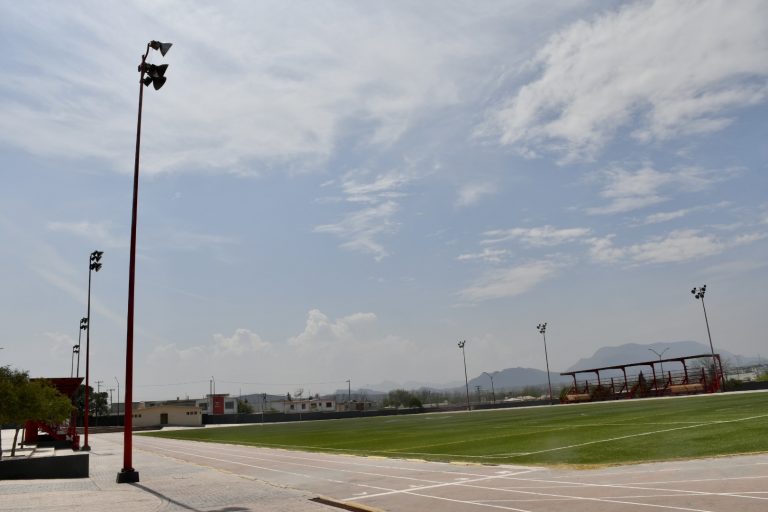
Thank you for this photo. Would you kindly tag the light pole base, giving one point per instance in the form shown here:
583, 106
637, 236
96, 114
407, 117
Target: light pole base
128, 476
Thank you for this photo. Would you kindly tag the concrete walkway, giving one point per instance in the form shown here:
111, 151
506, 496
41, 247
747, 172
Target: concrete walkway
166, 484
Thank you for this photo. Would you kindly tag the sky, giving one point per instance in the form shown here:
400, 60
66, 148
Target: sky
335, 191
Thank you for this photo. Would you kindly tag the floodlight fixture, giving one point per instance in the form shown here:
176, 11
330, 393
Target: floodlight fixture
163, 47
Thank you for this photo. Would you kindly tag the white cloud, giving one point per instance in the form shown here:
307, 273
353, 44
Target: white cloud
659, 217
669, 67
287, 86
676, 246
362, 229
472, 193
320, 332
99, 233
510, 282
487, 255
243, 341
61, 344
629, 190
544, 236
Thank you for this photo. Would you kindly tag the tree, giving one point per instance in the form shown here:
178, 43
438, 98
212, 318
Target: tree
22, 399
98, 402
243, 407
10, 384
401, 398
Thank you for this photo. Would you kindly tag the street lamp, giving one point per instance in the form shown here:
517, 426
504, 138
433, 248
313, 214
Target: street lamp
94, 265
493, 390
543, 331
660, 362
698, 293
75, 350
466, 380
155, 75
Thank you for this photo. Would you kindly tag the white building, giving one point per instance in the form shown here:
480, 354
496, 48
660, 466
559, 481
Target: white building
304, 405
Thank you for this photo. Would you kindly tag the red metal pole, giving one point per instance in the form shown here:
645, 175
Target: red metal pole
86, 447
128, 474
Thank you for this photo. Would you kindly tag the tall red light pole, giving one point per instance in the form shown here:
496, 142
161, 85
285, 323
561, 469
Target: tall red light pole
94, 265
148, 74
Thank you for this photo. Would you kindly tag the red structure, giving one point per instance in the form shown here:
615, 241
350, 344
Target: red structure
67, 387
681, 381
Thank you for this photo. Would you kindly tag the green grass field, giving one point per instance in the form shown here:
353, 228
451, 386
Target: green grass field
585, 434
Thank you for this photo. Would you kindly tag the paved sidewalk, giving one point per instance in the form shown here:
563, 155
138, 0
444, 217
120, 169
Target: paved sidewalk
166, 484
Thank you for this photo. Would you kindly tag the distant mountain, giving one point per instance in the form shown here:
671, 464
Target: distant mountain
638, 353
516, 378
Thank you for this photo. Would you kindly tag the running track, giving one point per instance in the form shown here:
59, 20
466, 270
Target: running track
727, 484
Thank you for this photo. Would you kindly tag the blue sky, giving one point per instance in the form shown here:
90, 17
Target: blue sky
343, 190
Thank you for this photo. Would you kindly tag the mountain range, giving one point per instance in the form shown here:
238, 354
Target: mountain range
518, 378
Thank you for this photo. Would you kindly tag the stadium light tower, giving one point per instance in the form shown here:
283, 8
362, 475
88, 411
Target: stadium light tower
155, 75
698, 293
466, 380
94, 265
542, 328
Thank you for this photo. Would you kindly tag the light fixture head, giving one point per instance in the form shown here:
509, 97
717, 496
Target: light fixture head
156, 71
158, 82
163, 47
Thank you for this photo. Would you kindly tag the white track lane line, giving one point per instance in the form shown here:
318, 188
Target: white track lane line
378, 488
273, 470
570, 498
197, 453
218, 447
637, 487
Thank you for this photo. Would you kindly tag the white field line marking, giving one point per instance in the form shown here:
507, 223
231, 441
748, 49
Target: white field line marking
200, 448
279, 456
634, 435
